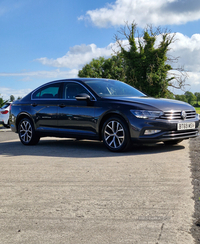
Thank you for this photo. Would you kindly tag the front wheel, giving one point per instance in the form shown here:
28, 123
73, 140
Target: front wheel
116, 135
27, 133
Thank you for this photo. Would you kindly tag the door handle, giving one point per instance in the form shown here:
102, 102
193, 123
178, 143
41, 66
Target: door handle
62, 105
34, 104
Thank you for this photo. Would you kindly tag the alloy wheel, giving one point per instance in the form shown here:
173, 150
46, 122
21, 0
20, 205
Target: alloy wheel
25, 131
114, 134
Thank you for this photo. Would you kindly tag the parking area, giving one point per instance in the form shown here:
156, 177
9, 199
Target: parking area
68, 191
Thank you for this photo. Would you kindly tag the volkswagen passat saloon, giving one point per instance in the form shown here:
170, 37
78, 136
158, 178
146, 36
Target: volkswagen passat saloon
101, 109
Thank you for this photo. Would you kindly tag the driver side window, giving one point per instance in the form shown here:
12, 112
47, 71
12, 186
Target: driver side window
72, 89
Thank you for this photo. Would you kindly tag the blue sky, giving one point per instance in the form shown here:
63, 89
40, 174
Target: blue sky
45, 40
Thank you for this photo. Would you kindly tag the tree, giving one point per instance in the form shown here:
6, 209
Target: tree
140, 61
2, 101
181, 98
111, 68
147, 65
170, 95
197, 95
12, 98
190, 97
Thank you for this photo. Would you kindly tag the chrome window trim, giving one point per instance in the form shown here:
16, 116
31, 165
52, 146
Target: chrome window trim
83, 87
42, 87
54, 99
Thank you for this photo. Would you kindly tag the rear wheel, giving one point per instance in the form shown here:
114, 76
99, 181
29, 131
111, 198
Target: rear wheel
172, 142
116, 135
27, 132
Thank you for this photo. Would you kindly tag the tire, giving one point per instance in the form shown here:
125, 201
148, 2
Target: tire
172, 142
27, 133
6, 125
116, 135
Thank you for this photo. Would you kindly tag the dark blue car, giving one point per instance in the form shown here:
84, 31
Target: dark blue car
101, 109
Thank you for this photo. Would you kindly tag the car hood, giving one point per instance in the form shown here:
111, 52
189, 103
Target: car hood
158, 103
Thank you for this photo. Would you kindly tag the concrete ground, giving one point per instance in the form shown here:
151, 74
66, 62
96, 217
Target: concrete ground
67, 191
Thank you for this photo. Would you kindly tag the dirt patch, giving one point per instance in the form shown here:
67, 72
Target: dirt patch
195, 169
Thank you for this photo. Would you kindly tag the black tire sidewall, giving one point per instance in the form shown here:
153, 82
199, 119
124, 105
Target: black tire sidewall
34, 138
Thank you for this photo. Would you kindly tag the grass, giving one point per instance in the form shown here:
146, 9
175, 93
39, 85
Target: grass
197, 107
197, 110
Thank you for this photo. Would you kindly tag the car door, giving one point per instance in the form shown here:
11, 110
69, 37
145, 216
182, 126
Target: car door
45, 103
76, 117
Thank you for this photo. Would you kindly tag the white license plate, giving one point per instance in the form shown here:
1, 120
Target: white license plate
186, 126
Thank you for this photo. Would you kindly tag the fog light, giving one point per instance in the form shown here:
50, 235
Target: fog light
151, 132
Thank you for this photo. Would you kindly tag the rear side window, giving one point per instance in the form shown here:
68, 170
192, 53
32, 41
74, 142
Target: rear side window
6, 105
48, 92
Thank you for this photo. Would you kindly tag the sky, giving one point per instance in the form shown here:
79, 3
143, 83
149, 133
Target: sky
46, 40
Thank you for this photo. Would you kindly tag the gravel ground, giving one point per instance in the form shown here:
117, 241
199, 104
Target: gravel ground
195, 174
195, 170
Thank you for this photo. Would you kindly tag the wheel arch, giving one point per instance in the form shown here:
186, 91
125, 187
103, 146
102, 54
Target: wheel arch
110, 115
22, 116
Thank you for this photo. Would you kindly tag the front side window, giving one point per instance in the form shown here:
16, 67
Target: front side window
72, 89
48, 92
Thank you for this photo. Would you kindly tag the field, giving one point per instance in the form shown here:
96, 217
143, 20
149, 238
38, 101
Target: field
197, 110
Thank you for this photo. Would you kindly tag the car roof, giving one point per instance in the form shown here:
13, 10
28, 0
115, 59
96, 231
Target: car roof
69, 79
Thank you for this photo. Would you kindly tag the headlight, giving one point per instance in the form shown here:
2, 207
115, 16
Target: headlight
145, 114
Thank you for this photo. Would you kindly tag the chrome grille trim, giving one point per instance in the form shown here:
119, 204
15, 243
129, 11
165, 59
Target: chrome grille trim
176, 115
176, 134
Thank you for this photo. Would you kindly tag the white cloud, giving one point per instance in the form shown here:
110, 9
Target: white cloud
78, 56
36, 76
156, 12
6, 92
195, 77
192, 83
44, 74
188, 49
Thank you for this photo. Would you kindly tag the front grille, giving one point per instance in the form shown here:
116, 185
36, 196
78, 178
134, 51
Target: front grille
180, 134
176, 115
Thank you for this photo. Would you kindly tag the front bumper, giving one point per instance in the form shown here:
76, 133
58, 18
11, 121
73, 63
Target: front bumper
170, 135
168, 130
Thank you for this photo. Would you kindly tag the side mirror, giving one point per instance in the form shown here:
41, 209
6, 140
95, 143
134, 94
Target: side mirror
83, 97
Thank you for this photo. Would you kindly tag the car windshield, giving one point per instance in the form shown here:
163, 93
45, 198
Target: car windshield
5, 105
107, 88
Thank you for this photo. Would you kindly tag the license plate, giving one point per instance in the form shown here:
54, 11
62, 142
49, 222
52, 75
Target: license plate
186, 126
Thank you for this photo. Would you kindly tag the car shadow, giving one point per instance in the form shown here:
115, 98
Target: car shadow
53, 147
